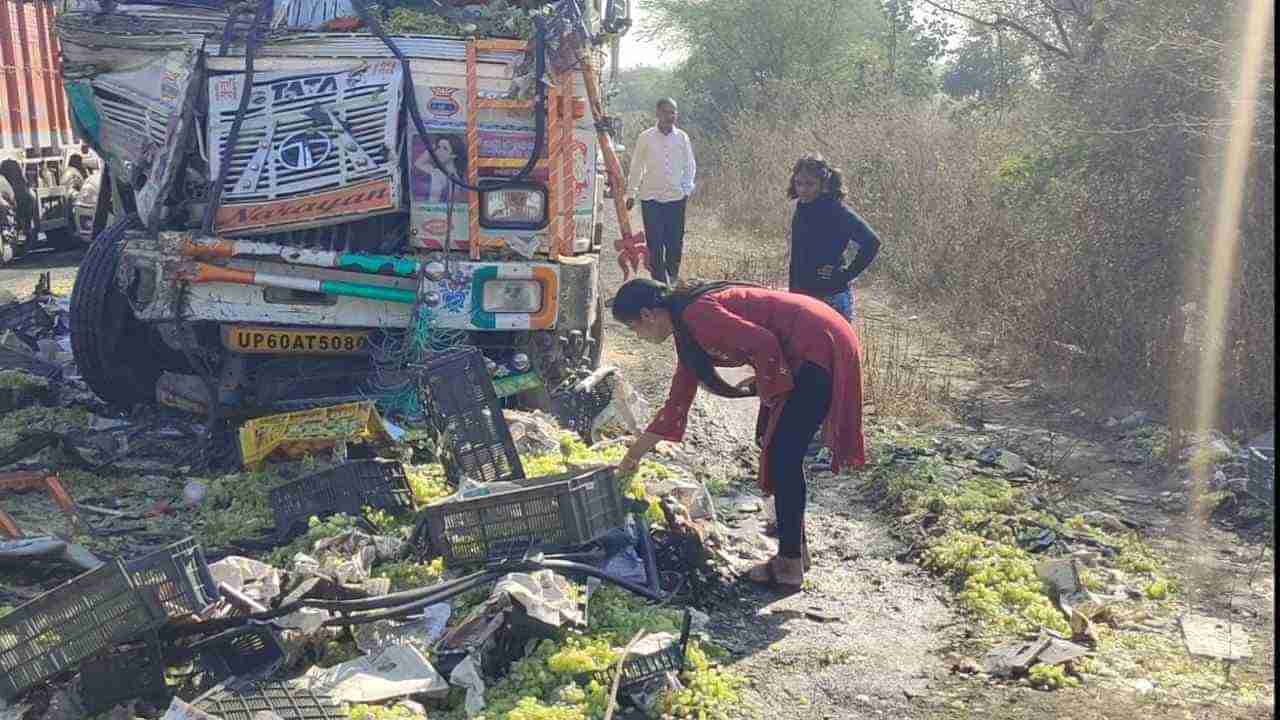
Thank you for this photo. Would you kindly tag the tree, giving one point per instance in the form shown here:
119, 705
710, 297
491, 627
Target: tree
989, 65
1132, 105
742, 53
639, 89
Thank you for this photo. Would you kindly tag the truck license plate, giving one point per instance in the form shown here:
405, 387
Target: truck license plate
286, 341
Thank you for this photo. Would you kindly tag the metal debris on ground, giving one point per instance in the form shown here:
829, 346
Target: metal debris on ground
47, 549
1016, 659
20, 480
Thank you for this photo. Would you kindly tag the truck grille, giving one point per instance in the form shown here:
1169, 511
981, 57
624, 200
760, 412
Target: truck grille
289, 143
126, 126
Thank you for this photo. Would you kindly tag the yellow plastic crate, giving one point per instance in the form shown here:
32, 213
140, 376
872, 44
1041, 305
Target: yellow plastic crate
297, 433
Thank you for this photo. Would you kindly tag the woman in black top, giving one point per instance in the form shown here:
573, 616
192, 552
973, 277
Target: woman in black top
821, 229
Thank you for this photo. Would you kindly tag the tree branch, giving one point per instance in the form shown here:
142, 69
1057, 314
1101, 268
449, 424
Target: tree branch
1003, 22
1057, 22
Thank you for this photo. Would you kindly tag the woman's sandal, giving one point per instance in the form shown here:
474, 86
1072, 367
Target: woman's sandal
771, 530
765, 574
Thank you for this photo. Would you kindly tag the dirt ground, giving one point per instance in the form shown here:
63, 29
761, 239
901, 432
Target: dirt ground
874, 636
20, 276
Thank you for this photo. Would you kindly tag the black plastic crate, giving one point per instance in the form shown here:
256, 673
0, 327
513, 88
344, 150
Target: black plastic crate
14, 360
559, 512
269, 699
26, 319
122, 675
179, 576
346, 489
640, 669
76, 620
458, 396
246, 654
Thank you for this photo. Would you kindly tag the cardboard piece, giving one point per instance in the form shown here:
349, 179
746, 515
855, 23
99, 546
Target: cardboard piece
1211, 637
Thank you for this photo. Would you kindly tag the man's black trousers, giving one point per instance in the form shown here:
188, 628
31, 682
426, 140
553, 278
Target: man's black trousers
664, 236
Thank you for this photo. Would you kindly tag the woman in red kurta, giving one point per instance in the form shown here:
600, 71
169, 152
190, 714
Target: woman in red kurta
806, 362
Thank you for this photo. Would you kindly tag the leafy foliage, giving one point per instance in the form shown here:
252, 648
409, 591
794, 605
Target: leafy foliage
744, 55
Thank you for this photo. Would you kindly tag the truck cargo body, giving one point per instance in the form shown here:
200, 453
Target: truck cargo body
37, 140
35, 120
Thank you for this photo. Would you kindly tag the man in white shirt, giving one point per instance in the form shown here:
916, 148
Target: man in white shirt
661, 175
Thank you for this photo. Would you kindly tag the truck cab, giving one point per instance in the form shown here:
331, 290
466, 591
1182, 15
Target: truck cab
305, 214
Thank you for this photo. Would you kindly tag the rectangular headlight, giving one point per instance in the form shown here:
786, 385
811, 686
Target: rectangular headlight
512, 296
518, 207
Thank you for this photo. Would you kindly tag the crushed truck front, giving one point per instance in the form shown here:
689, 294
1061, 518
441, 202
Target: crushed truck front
339, 224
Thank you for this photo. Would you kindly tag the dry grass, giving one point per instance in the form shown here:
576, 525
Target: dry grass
895, 375
896, 381
711, 255
1074, 277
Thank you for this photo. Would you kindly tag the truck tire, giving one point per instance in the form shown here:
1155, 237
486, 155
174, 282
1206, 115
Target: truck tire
112, 349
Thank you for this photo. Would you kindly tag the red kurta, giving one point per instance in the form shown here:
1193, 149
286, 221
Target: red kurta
775, 333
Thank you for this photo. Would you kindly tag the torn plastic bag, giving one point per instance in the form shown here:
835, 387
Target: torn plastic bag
422, 632
256, 580
467, 675
394, 672
179, 710
349, 557
546, 596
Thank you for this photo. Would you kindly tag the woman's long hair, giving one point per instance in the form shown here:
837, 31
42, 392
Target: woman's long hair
644, 294
814, 165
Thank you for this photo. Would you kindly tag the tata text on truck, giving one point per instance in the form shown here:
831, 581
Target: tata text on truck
42, 165
340, 214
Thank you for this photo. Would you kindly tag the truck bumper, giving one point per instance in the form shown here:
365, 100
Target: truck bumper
149, 276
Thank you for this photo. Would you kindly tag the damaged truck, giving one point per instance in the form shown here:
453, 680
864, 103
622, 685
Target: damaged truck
302, 189
42, 165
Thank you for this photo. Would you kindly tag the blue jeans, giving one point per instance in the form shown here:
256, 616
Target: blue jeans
843, 303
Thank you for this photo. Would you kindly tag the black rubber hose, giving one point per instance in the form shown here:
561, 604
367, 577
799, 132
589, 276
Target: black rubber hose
564, 566
406, 609
411, 99
246, 94
392, 599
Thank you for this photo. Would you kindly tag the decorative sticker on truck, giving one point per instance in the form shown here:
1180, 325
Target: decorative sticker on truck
315, 147
442, 104
369, 197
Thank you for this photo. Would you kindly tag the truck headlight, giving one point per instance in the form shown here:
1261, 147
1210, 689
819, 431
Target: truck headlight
512, 296
522, 206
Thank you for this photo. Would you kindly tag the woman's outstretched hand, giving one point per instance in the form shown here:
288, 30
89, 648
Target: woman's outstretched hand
641, 447
628, 465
